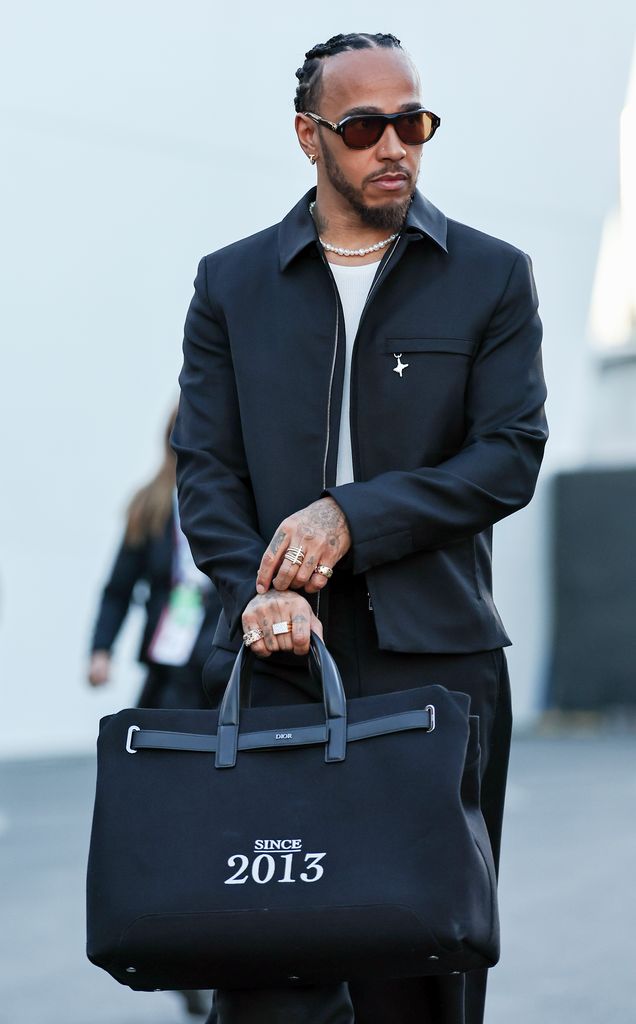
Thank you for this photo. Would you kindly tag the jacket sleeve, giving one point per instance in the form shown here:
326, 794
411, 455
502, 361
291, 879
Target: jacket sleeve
128, 568
216, 504
494, 473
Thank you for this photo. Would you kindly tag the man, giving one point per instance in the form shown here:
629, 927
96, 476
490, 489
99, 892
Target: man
362, 398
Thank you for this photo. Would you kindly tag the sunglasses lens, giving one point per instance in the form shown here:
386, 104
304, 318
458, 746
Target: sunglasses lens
362, 132
414, 129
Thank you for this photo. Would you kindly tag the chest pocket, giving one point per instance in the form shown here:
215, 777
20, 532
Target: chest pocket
452, 346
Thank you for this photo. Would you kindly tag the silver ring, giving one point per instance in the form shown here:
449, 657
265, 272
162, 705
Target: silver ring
324, 570
279, 628
295, 555
252, 636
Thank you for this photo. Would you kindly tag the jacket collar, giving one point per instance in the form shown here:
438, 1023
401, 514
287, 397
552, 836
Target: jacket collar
297, 229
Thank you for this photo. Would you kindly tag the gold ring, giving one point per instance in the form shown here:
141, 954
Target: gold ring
324, 570
295, 555
279, 628
252, 636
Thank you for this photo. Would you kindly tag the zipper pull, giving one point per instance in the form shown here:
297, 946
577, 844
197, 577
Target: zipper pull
370, 602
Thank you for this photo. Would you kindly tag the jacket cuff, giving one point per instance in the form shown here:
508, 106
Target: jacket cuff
380, 546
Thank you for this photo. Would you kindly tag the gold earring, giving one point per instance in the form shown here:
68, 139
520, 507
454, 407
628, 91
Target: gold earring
312, 159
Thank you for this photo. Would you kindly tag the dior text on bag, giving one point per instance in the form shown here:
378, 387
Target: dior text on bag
278, 846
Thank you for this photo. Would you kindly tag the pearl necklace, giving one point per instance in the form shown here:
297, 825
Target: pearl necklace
353, 252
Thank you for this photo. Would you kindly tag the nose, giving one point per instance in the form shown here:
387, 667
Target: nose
390, 146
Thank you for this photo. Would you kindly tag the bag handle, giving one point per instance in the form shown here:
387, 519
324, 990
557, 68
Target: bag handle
323, 668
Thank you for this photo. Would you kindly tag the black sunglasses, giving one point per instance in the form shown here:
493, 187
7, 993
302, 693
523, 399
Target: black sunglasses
361, 131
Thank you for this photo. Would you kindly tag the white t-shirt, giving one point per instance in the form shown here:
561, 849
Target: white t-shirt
353, 286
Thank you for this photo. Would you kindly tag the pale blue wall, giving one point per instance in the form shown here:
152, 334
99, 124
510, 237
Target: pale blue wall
122, 171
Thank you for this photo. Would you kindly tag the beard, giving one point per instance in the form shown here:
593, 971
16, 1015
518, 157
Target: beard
389, 217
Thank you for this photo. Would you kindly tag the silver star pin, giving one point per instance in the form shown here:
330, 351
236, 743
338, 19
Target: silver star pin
401, 367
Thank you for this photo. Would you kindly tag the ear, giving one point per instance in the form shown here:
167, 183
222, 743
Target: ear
307, 132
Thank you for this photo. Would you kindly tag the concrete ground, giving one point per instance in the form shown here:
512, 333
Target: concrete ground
567, 892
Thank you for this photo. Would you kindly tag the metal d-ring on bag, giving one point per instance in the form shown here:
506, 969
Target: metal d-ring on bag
278, 846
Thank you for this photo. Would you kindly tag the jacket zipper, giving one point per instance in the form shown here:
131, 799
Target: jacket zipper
364, 309
335, 349
333, 367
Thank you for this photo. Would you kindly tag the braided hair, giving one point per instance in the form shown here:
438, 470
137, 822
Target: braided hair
310, 74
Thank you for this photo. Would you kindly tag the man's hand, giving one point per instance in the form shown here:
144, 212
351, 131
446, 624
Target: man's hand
264, 610
322, 531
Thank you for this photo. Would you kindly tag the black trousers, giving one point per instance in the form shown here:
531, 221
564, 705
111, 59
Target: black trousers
352, 640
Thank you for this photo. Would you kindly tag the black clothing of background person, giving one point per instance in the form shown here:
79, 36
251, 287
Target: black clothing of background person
150, 563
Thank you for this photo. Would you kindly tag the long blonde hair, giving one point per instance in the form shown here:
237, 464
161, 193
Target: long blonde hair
150, 507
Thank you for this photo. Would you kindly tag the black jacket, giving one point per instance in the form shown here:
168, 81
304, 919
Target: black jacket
150, 563
440, 454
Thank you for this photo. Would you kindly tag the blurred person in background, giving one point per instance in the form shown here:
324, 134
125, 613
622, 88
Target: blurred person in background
182, 608
181, 604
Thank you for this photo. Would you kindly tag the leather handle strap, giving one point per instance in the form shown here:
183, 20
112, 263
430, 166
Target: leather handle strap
322, 666
273, 739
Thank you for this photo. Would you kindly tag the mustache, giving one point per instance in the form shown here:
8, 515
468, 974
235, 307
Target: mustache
394, 169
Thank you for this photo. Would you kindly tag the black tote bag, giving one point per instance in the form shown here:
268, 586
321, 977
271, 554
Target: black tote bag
298, 845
